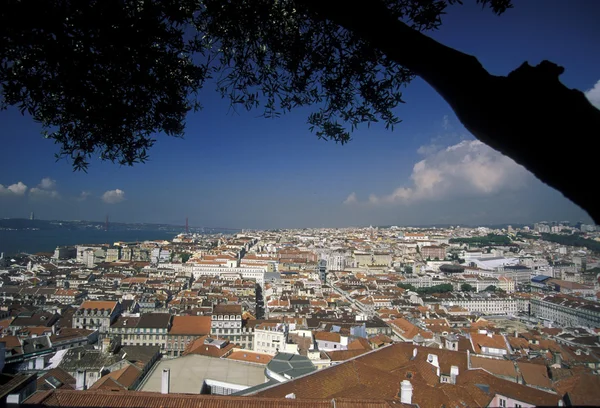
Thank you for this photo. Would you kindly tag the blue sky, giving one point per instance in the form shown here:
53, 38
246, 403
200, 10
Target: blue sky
242, 171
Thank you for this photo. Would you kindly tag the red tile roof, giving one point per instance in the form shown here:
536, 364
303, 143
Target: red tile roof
191, 325
127, 399
250, 357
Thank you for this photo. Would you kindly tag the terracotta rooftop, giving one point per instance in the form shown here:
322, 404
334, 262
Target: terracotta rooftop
227, 309
250, 357
484, 340
535, 374
503, 368
327, 336
580, 389
98, 304
131, 399
378, 374
198, 346
122, 379
64, 378
190, 325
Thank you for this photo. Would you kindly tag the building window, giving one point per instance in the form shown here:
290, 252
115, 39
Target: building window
502, 402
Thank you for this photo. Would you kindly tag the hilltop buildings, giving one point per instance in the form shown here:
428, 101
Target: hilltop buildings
433, 317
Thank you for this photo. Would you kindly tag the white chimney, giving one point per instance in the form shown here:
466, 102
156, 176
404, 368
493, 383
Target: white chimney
80, 380
166, 378
414, 353
468, 359
453, 374
406, 390
291, 396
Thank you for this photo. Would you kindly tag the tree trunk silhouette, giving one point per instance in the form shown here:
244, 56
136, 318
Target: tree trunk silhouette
528, 115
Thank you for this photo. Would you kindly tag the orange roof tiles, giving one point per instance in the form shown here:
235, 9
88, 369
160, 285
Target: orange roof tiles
122, 379
503, 368
484, 340
581, 389
210, 350
98, 304
250, 357
190, 325
327, 336
535, 374
378, 374
129, 399
343, 355
408, 330
359, 343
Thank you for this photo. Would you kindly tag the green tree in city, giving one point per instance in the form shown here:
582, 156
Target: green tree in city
441, 288
465, 287
407, 286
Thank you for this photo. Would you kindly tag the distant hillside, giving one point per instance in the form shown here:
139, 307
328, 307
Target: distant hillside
26, 224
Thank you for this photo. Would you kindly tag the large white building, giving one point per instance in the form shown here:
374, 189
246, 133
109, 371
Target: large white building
567, 311
258, 274
270, 338
485, 303
226, 323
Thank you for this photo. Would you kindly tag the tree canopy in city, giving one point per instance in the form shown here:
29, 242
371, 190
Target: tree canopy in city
104, 78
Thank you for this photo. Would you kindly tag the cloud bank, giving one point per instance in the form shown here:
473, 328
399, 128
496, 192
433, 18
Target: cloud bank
113, 196
469, 168
17, 189
46, 189
593, 95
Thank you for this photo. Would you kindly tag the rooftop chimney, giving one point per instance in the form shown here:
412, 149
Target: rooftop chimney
453, 374
291, 396
166, 378
557, 357
414, 353
468, 359
406, 390
80, 380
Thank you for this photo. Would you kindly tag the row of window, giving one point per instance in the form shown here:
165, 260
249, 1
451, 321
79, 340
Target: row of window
225, 331
137, 330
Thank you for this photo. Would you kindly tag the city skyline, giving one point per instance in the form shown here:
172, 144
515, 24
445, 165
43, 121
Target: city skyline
237, 170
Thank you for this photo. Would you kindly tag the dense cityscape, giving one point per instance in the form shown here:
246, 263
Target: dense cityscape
456, 316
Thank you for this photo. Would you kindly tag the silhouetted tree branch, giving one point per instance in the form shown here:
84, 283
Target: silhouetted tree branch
529, 115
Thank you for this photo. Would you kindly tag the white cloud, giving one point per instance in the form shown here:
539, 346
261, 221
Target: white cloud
83, 196
468, 168
16, 189
47, 183
46, 189
113, 196
40, 193
593, 95
351, 199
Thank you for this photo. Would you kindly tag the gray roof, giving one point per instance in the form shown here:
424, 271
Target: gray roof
154, 320
36, 344
188, 373
142, 354
291, 365
87, 358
